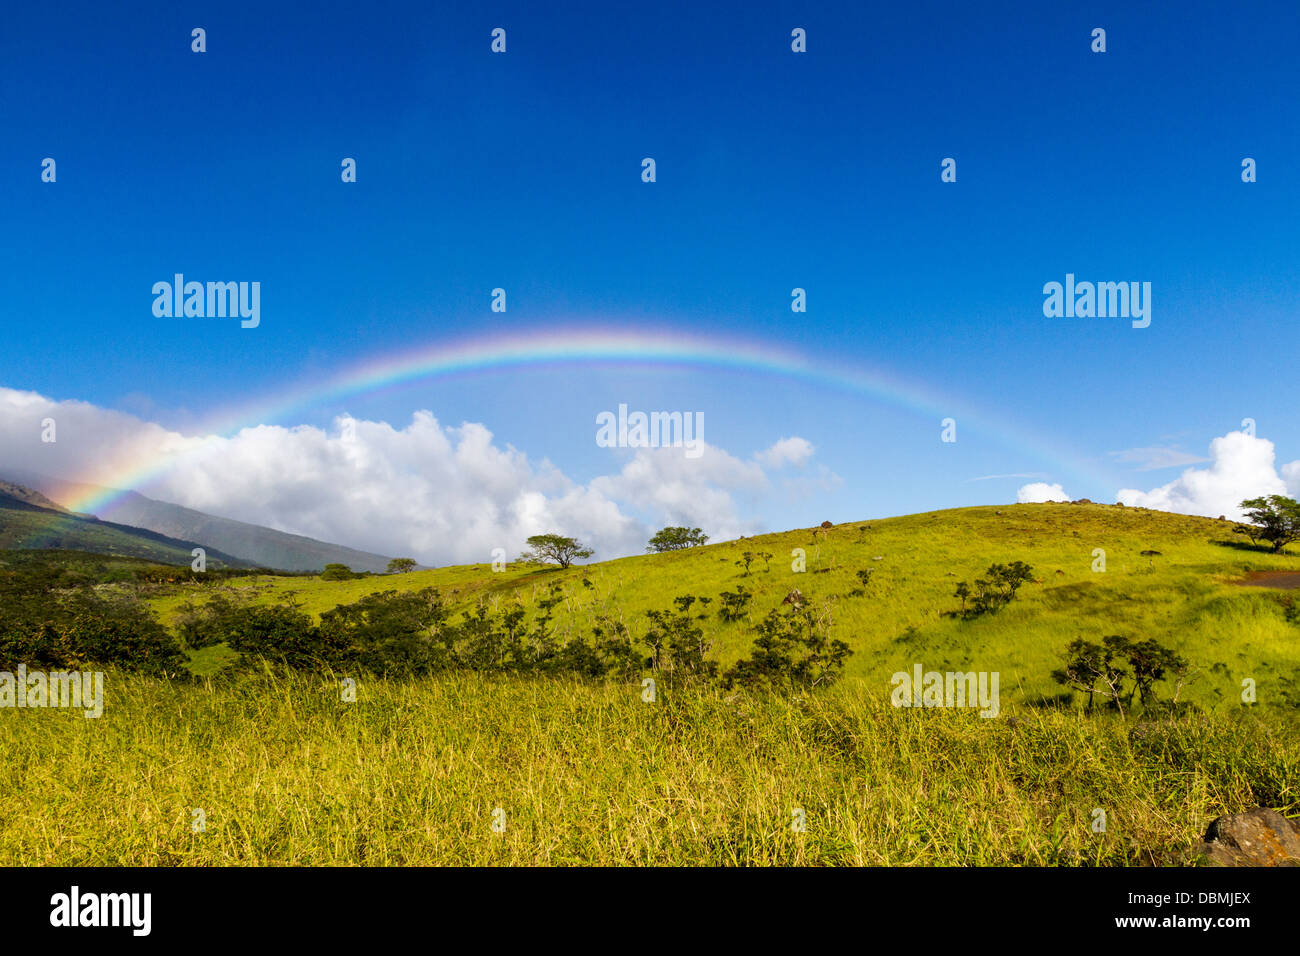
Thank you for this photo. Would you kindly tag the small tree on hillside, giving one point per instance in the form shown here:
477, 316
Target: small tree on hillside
1273, 518
555, 549
401, 565
1098, 669
994, 591
337, 572
674, 538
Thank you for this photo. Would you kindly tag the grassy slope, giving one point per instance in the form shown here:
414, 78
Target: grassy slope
1185, 598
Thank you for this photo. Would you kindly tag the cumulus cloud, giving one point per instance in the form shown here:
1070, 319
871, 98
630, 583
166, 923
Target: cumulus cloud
1037, 492
788, 451
1241, 466
1291, 475
441, 494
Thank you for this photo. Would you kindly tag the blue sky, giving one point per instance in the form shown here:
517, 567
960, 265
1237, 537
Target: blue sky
774, 170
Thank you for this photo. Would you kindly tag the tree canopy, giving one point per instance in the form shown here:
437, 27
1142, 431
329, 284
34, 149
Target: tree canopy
1273, 518
555, 549
675, 538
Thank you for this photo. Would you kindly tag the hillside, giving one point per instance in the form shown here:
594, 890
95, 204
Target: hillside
27, 526
299, 766
28, 496
1184, 597
259, 546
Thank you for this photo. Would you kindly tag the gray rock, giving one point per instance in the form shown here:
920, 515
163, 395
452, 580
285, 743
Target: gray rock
1260, 837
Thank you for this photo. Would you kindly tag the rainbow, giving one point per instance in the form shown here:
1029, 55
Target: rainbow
585, 345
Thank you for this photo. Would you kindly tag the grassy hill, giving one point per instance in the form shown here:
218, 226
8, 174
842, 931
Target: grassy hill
24, 525
1186, 597
288, 770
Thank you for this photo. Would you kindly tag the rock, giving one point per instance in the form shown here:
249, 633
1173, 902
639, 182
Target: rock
794, 598
1261, 837
1082, 501
997, 512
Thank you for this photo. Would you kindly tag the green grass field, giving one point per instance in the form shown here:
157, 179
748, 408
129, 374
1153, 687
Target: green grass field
1184, 598
413, 771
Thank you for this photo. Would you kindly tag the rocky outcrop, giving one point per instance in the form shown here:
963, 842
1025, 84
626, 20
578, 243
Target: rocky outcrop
1260, 837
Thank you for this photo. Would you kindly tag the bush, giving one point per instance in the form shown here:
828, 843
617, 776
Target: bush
79, 631
792, 650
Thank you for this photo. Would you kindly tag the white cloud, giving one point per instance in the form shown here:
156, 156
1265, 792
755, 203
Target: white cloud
1038, 492
793, 451
1155, 457
440, 494
1291, 475
1242, 466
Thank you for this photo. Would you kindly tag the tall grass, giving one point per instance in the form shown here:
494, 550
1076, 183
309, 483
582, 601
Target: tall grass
287, 772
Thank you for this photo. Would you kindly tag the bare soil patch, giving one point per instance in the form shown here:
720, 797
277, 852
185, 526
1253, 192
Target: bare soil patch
1288, 580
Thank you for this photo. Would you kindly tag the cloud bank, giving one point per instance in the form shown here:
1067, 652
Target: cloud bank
1241, 466
441, 494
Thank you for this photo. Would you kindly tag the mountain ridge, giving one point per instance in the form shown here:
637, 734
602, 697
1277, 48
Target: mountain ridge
26, 526
255, 545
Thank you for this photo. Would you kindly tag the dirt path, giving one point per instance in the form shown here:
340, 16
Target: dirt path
1289, 580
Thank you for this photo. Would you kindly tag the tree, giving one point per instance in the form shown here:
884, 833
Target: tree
792, 649
401, 565
676, 539
1098, 669
1274, 518
337, 572
994, 591
555, 549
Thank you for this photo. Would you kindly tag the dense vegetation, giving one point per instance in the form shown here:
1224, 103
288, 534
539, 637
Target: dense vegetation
69, 610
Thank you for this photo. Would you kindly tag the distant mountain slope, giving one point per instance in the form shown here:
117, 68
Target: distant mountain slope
29, 495
26, 526
257, 545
